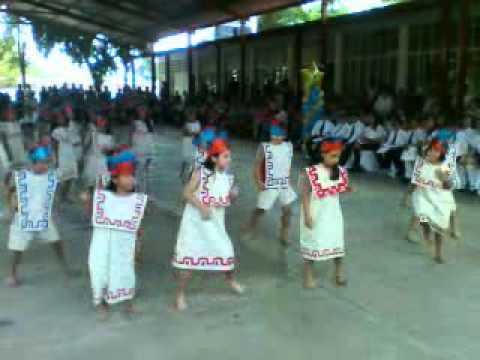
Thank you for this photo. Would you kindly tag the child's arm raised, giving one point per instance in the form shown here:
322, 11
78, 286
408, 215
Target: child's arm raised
189, 194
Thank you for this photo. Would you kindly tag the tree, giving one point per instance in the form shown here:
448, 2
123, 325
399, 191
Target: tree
96, 51
9, 59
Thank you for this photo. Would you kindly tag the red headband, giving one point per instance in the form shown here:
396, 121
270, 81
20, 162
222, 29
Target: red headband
124, 168
438, 146
218, 147
327, 147
101, 122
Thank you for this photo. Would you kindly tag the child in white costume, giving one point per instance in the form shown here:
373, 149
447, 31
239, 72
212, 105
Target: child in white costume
143, 142
272, 177
203, 242
64, 144
12, 135
30, 198
432, 200
99, 143
117, 214
321, 221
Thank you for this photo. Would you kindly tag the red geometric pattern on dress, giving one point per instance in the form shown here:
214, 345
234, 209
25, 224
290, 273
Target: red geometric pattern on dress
322, 192
323, 253
209, 200
204, 261
130, 225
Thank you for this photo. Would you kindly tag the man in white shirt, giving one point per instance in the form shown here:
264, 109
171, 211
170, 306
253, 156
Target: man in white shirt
355, 127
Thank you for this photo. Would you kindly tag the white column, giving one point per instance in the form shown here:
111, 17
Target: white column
402, 58
338, 63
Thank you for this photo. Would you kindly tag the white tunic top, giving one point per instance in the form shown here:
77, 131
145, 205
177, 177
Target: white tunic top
278, 162
35, 193
142, 141
326, 239
432, 203
205, 244
96, 160
67, 158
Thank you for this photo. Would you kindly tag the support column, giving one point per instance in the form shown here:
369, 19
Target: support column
191, 88
218, 54
324, 35
167, 74
462, 67
243, 56
133, 74
338, 72
402, 58
298, 62
154, 75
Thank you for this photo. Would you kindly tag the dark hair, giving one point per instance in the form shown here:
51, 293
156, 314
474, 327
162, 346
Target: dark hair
317, 158
113, 188
429, 147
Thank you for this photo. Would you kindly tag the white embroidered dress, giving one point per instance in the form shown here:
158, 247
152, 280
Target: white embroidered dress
326, 239
431, 203
14, 141
116, 220
67, 158
96, 160
205, 244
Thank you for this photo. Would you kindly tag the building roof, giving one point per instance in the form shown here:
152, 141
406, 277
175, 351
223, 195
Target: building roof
138, 22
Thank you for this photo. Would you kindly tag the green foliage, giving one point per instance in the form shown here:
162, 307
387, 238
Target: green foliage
288, 17
96, 51
9, 59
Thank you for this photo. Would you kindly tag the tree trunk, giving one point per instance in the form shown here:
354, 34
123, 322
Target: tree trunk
464, 37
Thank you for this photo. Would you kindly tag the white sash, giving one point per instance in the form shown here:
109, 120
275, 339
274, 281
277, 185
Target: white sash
123, 213
35, 199
278, 161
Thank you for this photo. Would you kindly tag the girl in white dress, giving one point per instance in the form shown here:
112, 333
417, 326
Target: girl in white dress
13, 138
117, 215
100, 142
432, 200
321, 221
64, 145
203, 242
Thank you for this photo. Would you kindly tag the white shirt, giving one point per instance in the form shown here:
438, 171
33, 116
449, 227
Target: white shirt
323, 128
397, 138
343, 131
371, 133
358, 128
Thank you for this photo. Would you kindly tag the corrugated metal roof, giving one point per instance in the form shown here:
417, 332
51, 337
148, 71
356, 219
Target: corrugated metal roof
141, 21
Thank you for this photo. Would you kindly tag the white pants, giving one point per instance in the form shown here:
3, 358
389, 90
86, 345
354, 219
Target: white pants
267, 198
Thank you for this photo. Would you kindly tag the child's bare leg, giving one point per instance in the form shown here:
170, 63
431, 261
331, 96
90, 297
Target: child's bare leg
339, 279
13, 280
254, 220
286, 215
234, 284
412, 229
427, 238
454, 228
308, 278
102, 310
438, 249
184, 277
59, 251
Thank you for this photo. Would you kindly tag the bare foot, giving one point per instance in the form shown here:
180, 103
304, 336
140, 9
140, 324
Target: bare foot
102, 312
236, 287
439, 260
180, 303
13, 282
131, 310
284, 238
339, 282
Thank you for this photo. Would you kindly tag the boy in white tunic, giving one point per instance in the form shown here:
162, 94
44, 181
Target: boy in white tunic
432, 200
117, 214
30, 198
203, 242
272, 178
321, 221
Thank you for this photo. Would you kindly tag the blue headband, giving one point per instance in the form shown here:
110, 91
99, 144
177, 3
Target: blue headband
41, 153
207, 136
124, 156
277, 131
